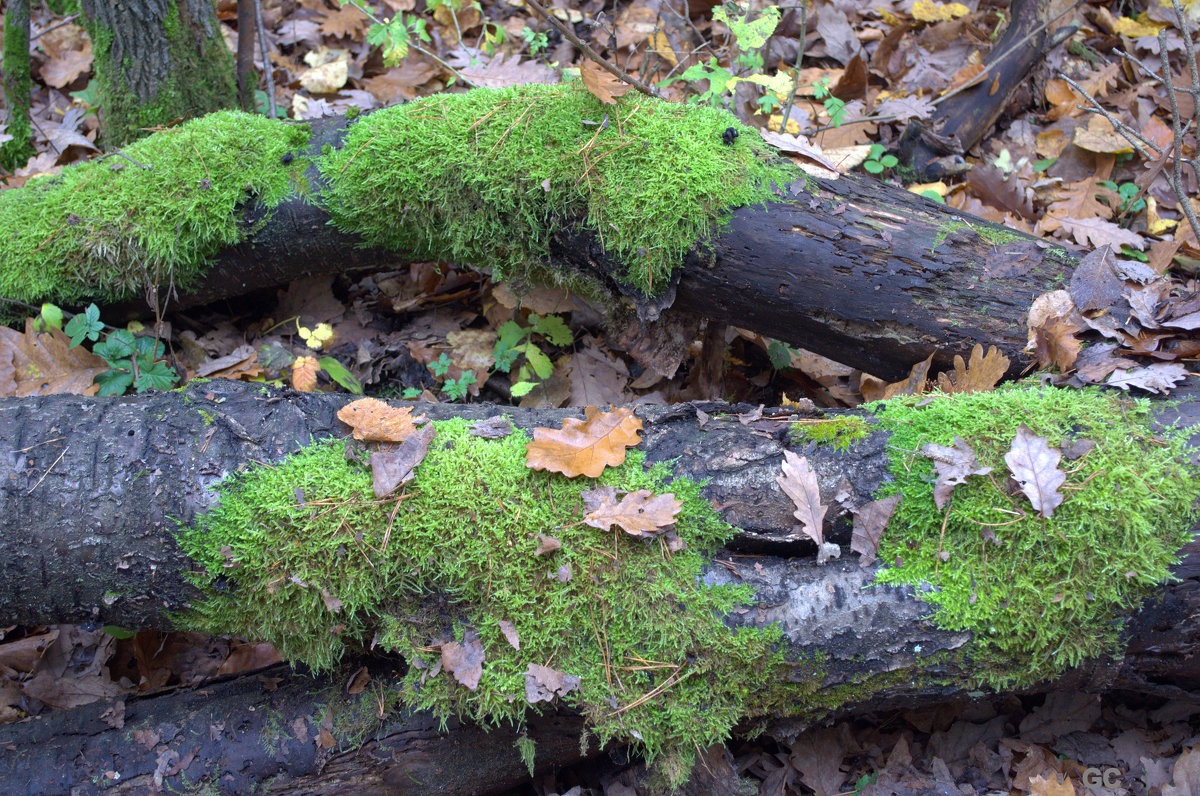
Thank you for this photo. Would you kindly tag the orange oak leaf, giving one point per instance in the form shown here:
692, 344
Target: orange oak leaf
603, 85
979, 374
374, 420
584, 447
304, 374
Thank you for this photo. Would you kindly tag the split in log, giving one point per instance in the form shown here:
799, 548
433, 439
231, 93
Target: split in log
100, 494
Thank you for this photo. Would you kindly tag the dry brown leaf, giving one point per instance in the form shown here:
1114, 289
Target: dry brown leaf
875, 389
640, 513
510, 633
1160, 377
1034, 465
390, 469
584, 447
953, 464
43, 363
1040, 785
1055, 343
799, 482
603, 85
870, 521
304, 373
346, 21
542, 683
373, 420
499, 73
980, 374
464, 659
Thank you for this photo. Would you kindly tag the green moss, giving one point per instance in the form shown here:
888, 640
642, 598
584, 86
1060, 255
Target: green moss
658, 665
841, 432
997, 236
484, 177
1045, 595
102, 229
17, 87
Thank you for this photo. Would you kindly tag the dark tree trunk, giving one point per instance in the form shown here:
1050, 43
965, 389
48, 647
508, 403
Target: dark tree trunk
15, 152
157, 62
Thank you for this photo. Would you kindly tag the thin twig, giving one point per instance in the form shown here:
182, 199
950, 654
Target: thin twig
272, 111
65, 21
787, 109
1176, 129
569, 35
1125, 130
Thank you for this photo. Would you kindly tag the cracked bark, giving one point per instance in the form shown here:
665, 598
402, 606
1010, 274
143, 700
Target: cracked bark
90, 490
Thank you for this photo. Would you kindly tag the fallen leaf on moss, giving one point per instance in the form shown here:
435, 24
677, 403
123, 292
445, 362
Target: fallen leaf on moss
1034, 465
542, 683
603, 86
510, 633
953, 464
492, 428
547, 544
373, 420
390, 469
1160, 377
584, 447
464, 659
640, 513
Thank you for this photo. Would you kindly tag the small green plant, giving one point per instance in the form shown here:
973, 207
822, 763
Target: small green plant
410, 393
877, 160
1128, 192
457, 389
516, 341
135, 362
441, 365
748, 37
535, 41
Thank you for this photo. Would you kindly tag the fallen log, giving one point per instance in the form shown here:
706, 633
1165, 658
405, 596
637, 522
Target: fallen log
521, 184
98, 496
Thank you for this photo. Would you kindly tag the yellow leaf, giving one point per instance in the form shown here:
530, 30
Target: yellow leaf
662, 46
928, 11
1156, 224
601, 83
1135, 28
375, 421
939, 187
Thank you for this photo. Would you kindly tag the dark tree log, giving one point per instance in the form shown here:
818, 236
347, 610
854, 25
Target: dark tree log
272, 732
91, 489
862, 272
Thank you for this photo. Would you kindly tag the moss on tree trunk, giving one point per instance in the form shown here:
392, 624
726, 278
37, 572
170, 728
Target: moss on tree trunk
157, 61
15, 152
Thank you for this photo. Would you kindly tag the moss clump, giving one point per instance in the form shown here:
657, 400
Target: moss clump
103, 229
484, 177
658, 665
1043, 595
841, 432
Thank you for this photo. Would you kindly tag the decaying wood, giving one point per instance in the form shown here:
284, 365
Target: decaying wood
865, 273
92, 489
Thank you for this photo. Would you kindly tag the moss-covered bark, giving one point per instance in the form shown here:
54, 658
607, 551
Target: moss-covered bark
14, 153
157, 62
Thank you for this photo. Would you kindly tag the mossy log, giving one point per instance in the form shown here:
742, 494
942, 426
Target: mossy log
641, 202
96, 493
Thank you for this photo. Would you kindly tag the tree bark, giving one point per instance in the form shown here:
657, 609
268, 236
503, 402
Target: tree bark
859, 271
17, 87
157, 62
93, 487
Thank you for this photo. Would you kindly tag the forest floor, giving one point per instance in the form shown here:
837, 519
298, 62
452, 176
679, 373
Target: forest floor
1051, 167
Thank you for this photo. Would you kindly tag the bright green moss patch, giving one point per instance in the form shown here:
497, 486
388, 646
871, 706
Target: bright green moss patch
483, 177
658, 665
103, 229
841, 432
1045, 594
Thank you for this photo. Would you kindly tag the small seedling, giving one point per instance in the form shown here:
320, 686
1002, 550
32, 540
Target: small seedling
877, 160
